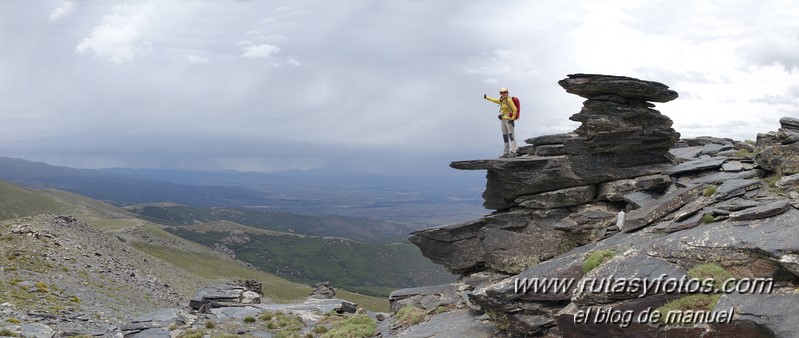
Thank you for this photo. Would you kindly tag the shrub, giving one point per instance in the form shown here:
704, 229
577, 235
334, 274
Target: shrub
249, 319
710, 189
596, 259
702, 302
710, 270
356, 326
209, 324
708, 218
192, 334
410, 315
692, 302
8, 333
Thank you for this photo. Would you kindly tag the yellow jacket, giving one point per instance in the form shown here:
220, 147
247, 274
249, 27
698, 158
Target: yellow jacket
506, 107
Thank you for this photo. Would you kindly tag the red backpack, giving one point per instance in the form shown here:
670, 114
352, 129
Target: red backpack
518, 107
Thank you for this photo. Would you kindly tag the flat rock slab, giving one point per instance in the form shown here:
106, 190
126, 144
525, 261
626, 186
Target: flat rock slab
615, 190
640, 198
636, 266
788, 181
765, 211
217, 293
36, 330
152, 333
593, 85
658, 208
550, 150
773, 237
776, 312
733, 166
156, 319
458, 323
686, 154
237, 312
696, 165
734, 188
550, 139
736, 204
721, 177
429, 297
559, 198
690, 208
683, 225
713, 149
790, 123
309, 306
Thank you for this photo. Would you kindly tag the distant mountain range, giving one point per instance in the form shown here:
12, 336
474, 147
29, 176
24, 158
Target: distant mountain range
421, 200
305, 226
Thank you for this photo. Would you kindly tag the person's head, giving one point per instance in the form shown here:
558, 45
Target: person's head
503, 92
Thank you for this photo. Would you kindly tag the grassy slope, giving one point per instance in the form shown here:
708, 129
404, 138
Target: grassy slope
19, 202
192, 257
371, 268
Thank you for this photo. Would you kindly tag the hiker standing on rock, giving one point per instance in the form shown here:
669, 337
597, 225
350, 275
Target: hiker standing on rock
507, 114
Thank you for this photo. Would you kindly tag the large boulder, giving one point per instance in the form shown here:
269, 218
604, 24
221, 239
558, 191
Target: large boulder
780, 158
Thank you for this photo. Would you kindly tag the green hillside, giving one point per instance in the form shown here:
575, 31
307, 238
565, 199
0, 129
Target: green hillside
371, 268
19, 202
356, 228
205, 265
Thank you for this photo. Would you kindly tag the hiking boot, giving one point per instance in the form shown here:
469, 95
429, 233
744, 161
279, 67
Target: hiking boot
504, 155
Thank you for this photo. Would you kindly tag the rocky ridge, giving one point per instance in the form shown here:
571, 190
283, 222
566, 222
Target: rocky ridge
624, 185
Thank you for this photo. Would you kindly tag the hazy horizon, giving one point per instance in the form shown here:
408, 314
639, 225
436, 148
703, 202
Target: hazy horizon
382, 87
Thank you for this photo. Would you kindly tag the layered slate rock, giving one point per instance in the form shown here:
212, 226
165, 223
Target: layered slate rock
656, 209
764, 211
228, 294
620, 137
594, 86
323, 290
508, 180
780, 149
559, 198
507, 242
615, 190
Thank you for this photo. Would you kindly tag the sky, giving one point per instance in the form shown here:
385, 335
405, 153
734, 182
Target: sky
363, 85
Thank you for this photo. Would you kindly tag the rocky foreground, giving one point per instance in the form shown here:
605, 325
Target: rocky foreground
619, 202
617, 229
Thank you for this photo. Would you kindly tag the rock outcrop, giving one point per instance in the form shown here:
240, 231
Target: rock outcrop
621, 199
620, 137
619, 153
229, 294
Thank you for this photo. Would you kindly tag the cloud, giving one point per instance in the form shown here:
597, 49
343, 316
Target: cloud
61, 11
119, 37
783, 52
264, 51
294, 62
776, 100
195, 59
